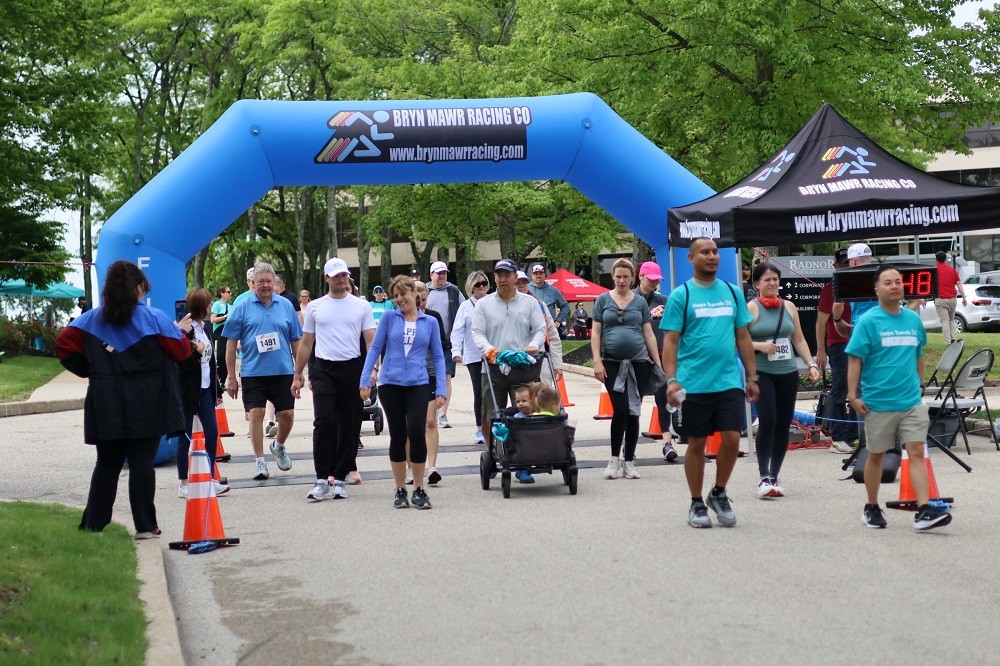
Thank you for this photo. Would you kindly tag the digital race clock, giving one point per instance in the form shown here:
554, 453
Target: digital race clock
856, 284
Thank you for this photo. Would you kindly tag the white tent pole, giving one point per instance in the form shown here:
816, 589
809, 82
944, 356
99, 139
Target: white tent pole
749, 415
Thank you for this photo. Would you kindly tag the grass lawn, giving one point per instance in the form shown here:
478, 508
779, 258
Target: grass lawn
67, 597
21, 375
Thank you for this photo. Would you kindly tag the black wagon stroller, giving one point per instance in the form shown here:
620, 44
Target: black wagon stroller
537, 444
373, 411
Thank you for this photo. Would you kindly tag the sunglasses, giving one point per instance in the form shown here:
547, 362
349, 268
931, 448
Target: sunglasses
481, 284
621, 316
227, 292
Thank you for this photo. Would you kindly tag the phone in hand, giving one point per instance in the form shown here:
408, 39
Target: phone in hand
180, 309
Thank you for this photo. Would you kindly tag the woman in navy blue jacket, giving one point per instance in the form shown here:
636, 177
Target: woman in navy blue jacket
406, 335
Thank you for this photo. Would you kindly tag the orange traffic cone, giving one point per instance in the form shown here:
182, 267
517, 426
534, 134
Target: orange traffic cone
202, 520
223, 421
220, 451
907, 496
655, 431
712, 445
563, 397
604, 409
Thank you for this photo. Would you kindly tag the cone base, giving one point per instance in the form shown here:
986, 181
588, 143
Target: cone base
650, 435
225, 457
911, 505
602, 418
227, 434
184, 545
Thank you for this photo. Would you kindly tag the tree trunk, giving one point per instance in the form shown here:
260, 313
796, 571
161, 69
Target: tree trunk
641, 252
507, 237
331, 221
386, 268
364, 249
86, 239
199, 266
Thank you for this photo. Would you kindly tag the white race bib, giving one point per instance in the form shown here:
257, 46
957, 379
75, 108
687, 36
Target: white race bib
268, 342
782, 350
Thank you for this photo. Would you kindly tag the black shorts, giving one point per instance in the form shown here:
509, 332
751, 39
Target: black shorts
702, 414
276, 388
431, 388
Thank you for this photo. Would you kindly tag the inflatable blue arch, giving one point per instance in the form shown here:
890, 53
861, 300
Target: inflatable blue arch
258, 145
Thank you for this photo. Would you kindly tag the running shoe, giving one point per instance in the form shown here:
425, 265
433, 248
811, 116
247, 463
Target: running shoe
524, 476
764, 488
281, 456
409, 476
433, 477
220, 487
339, 490
778, 490
182, 489
928, 518
320, 491
614, 469
669, 454
479, 436
401, 502
443, 421
698, 515
841, 447
719, 503
154, 534
630, 471
353, 478
260, 471
271, 431
420, 499
872, 516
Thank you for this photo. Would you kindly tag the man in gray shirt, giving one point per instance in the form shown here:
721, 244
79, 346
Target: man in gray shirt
551, 297
444, 298
506, 319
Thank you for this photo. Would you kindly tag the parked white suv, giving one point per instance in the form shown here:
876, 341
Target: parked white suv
982, 312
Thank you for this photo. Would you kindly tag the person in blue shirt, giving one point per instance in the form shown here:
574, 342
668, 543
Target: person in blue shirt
268, 331
381, 303
886, 359
705, 324
406, 335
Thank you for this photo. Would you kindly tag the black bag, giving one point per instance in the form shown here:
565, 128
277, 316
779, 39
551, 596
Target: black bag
824, 409
890, 465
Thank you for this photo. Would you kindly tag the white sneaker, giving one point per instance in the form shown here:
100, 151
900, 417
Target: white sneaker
630, 471
479, 436
841, 447
182, 489
281, 457
443, 421
614, 469
778, 490
409, 475
271, 430
220, 488
764, 488
320, 491
260, 471
339, 490
353, 478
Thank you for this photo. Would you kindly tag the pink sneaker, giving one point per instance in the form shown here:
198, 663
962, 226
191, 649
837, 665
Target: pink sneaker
353, 478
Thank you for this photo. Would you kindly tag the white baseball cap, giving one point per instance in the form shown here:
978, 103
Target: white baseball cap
858, 250
537, 267
335, 267
521, 275
439, 267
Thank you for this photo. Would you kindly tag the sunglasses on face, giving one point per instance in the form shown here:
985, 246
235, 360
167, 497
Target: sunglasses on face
477, 285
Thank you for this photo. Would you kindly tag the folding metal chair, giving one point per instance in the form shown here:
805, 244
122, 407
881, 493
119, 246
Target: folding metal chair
945, 368
971, 378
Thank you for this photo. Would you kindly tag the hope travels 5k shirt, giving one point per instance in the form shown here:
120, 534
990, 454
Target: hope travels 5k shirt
888, 346
706, 355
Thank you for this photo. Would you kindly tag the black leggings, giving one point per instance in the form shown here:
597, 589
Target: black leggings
775, 408
205, 414
111, 455
624, 425
476, 373
405, 410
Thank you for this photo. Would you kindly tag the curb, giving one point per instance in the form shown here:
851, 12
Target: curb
163, 646
39, 407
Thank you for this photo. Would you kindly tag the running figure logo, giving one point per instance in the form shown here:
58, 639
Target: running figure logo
354, 134
775, 165
856, 164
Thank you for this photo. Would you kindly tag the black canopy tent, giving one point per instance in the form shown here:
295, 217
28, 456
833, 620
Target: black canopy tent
833, 183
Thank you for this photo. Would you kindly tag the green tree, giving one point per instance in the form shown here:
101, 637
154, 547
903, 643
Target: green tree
33, 248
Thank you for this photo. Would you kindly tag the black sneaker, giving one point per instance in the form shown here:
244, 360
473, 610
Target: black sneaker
420, 499
872, 517
401, 502
669, 454
928, 518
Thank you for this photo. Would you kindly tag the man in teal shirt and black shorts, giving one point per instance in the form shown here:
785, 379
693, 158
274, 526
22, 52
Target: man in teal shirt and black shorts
886, 356
705, 324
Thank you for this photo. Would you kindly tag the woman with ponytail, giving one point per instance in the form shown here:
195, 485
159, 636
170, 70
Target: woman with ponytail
776, 332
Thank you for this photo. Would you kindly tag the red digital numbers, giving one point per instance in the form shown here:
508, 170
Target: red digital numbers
917, 283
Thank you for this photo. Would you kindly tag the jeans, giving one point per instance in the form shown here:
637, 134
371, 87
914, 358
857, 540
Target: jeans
844, 428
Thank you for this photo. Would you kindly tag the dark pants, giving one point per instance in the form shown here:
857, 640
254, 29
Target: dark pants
504, 392
220, 358
624, 426
111, 455
844, 427
476, 374
662, 415
775, 408
337, 410
205, 414
580, 332
406, 414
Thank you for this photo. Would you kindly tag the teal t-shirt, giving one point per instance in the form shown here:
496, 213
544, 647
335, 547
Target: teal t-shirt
621, 328
379, 308
888, 346
220, 307
707, 361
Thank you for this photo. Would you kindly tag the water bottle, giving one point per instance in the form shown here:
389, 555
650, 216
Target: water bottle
680, 398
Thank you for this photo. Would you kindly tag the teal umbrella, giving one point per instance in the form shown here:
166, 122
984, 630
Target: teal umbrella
51, 290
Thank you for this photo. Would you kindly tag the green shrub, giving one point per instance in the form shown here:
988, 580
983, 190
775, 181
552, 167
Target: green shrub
21, 336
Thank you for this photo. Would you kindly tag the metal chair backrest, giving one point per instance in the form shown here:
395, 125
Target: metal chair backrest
973, 374
946, 365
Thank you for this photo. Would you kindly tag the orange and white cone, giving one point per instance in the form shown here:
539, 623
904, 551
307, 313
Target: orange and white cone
563, 396
655, 431
223, 421
907, 495
712, 445
604, 409
202, 520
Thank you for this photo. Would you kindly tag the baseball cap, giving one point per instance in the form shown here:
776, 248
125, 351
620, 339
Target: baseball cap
858, 250
537, 267
439, 267
414, 273
250, 273
377, 288
505, 265
651, 270
840, 256
521, 275
335, 267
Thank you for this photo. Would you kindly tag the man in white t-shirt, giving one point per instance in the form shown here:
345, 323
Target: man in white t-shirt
335, 325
